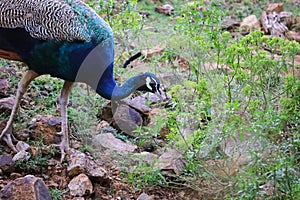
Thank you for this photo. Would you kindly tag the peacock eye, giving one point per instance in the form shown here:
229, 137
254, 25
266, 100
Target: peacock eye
148, 83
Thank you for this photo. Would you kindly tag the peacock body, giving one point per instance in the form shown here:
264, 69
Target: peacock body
55, 37
68, 40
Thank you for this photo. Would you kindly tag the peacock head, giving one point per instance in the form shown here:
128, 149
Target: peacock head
108, 88
148, 82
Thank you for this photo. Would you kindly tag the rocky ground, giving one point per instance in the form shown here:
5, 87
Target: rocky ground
94, 174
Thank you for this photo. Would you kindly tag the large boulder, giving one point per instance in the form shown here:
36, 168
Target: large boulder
24, 188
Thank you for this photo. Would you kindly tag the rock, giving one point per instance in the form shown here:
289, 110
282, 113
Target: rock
80, 163
103, 125
58, 181
145, 156
5, 71
170, 79
166, 9
15, 175
291, 21
128, 114
275, 7
45, 128
80, 186
108, 141
95, 172
230, 24
22, 146
28, 187
171, 160
138, 104
250, 23
78, 198
22, 135
145, 196
6, 163
6, 104
127, 119
157, 50
150, 98
21, 155
293, 35
4, 85
77, 163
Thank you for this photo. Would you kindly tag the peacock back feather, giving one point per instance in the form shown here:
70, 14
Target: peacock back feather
63, 38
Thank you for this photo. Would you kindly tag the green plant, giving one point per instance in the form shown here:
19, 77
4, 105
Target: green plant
38, 162
57, 194
253, 92
85, 148
33, 164
146, 176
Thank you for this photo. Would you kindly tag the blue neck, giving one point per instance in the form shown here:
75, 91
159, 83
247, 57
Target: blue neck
108, 88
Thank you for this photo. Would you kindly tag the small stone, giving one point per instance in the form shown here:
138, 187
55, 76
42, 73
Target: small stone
171, 160
166, 9
151, 98
138, 104
250, 23
6, 104
78, 198
22, 146
127, 119
145, 196
95, 172
80, 186
4, 85
22, 135
108, 141
28, 187
275, 7
157, 50
145, 156
103, 124
76, 163
6, 163
15, 175
45, 128
293, 35
21, 155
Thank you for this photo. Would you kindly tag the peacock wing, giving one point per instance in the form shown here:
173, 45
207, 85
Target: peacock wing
44, 19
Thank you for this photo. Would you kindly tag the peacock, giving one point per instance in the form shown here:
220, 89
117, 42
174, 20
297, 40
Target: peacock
68, 40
